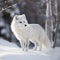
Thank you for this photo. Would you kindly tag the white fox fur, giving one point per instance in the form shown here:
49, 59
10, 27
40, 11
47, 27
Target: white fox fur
25, 32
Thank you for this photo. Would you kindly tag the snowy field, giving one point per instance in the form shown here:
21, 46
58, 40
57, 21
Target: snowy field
10, 51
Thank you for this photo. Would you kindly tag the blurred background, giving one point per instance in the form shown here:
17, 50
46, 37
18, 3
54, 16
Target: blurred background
35, 11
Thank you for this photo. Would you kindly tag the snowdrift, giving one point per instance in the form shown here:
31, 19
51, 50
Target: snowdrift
10, 51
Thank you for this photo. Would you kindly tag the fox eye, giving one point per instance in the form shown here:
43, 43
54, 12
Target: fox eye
20, 22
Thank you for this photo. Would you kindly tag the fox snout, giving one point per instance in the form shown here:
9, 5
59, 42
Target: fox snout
25, 25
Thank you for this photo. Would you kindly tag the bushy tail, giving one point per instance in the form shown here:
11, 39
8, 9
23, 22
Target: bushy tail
47, 43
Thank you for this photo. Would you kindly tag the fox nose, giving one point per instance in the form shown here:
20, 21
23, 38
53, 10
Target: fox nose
25, 25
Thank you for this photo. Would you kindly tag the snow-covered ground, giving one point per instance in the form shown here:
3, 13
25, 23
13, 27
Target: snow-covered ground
10, 51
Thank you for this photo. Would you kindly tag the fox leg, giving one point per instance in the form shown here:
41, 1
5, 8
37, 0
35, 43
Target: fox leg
35, 47
22, 44
26, 45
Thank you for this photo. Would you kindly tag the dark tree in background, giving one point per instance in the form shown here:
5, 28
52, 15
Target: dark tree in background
8, 10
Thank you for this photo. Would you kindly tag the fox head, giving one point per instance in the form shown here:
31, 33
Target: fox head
20, 21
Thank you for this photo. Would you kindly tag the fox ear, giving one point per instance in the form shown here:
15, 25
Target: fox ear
16, 17
24, 17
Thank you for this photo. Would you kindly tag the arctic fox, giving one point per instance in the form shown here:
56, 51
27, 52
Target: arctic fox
25, 32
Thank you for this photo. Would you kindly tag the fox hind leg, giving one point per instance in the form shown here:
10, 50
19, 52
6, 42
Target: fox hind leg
36, 45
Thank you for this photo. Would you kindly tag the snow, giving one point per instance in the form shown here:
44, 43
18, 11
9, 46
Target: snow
10, 51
